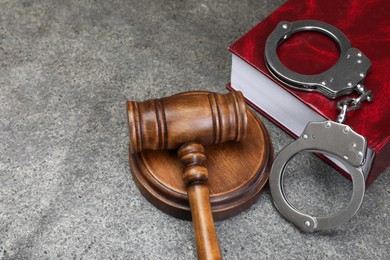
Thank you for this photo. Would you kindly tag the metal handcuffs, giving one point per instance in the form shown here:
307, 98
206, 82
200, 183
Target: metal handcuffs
330, 138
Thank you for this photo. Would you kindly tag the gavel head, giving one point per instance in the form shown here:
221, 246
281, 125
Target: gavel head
205, 118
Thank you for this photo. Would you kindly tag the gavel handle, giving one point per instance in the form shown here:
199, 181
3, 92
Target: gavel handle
205, 235
192, 156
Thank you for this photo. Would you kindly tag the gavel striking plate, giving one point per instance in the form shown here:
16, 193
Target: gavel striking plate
222, 165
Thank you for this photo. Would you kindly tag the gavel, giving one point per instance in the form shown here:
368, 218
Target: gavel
189, 121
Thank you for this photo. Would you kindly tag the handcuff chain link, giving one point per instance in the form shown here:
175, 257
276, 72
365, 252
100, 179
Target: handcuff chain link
349, 104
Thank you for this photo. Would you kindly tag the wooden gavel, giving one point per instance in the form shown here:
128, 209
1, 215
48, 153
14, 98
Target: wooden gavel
190, 121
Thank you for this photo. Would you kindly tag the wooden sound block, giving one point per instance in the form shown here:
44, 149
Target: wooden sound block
238, 172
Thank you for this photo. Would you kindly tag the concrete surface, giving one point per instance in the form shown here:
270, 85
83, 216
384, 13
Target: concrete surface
67, 69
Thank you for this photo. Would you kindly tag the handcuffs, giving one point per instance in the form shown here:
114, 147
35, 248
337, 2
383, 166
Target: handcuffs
330, 138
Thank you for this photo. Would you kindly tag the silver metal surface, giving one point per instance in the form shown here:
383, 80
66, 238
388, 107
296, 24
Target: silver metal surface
349, 104
341, 79
329, 138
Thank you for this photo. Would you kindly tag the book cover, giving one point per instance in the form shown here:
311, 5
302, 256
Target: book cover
367, 26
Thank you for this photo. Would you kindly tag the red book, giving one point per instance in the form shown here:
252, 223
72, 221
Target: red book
367, 26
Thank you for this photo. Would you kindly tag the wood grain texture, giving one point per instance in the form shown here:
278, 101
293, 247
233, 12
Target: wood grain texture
195, 175
170, 122
190, 120
207, 245
237, 173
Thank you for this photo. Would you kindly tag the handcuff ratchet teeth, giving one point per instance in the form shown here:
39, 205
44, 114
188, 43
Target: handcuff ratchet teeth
331, 138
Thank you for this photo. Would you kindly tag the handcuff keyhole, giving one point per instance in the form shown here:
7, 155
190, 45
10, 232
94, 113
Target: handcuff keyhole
313, 187
308, 52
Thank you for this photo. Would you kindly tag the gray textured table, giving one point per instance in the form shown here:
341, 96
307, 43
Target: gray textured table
67, 69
